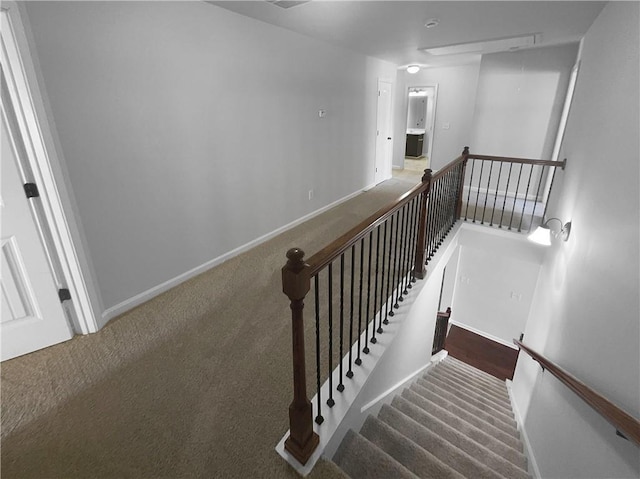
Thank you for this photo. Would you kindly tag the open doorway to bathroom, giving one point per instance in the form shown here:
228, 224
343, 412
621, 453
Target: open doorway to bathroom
421, 115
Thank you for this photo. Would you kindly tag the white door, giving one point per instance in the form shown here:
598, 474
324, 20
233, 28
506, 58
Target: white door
32, 315
383, 134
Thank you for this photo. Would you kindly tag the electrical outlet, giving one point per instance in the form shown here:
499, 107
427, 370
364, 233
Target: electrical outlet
310, 195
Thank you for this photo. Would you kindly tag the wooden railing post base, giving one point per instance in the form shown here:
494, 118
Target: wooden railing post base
301, 450
302, 441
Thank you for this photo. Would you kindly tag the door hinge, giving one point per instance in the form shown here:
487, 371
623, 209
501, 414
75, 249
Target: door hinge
31, 190
64, 294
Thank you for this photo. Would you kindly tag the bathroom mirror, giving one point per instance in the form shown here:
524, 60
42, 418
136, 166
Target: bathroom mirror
420, 123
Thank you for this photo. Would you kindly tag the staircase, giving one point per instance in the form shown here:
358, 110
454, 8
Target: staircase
454, 422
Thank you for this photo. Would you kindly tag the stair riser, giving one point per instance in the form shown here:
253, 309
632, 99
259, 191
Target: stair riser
487, 427
471, 388
469, 430
447, 452
406, 452
447, 400
500, 391
470, 397
471, 447
474, 371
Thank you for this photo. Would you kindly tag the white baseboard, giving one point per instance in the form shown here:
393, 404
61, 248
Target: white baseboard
531, 459
145, 296
484, 335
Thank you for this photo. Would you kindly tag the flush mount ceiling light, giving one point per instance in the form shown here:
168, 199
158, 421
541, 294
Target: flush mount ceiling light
413, 69
542, 234
486, 46
417, 92
432, 22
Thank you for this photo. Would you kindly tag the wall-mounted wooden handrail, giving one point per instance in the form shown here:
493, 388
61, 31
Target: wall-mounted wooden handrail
624, 423
525, 161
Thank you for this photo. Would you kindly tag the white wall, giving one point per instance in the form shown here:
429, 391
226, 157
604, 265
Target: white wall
585, 311
519, 101
189, 131
496, 278
455, 103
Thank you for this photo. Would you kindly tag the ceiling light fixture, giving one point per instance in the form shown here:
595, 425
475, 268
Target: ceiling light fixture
486, 46
413, 69
432, 22
542, 234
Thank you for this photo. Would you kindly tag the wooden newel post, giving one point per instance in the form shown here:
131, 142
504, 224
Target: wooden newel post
465, 153
419, 268
296, 283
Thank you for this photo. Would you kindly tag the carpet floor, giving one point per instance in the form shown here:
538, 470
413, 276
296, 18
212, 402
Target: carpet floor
194, 383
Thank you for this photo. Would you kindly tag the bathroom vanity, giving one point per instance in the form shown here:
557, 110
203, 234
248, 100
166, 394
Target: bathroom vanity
415, 143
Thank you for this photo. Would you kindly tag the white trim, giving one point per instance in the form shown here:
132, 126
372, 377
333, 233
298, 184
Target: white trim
39, 156
145, 296
435, 359
483, 334
532, 464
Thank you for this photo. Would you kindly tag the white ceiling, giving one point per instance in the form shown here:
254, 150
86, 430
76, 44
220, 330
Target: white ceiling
394, 30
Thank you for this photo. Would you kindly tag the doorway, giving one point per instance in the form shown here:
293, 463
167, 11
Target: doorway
383, 132
421, 114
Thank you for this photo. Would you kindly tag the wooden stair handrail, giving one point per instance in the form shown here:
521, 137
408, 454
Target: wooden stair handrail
334, 249
624, 423
525, 161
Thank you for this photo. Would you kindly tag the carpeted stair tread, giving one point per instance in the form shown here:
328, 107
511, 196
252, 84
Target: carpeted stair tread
455, 457
469, 430
500, 388
501, 413
467, 386
361, 459
471, 447
469, 418
499, 392
462, 389
498, 420
406, 452
475, 371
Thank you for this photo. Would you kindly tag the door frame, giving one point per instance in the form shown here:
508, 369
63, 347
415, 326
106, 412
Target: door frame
27, 110
389, 150
432, 123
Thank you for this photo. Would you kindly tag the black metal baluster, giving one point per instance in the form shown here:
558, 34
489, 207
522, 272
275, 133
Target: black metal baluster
506, 193
405, 253
495, 196
382, 301
466, 211
515, 198
395, 269
358, 360
353, 275
330, 401
340, 387
553, 178
535, 205
398, 282
413, 241
486, 195
375, 288
524, 205
475, 211
319, 418
388, 308
366, 316
431, 217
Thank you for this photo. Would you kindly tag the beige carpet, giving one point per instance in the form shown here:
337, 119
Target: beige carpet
195, 383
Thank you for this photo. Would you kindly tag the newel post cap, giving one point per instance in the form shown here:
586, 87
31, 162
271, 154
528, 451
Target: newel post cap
428, 173
295, 275
465, 151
